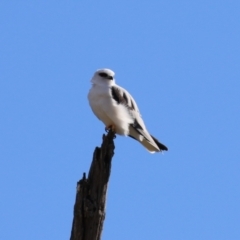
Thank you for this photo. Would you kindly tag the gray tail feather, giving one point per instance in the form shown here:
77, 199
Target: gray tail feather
152, 145
161, 146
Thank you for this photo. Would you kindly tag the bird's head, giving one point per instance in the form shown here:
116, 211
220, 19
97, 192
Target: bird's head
103, 77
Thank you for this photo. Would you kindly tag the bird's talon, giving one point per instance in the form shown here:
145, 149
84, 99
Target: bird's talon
110, 128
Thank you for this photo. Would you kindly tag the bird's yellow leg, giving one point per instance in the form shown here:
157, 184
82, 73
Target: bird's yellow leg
110, 127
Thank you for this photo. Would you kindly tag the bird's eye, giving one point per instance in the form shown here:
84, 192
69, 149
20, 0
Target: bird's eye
104, 75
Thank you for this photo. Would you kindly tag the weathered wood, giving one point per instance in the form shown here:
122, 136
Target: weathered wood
89, 208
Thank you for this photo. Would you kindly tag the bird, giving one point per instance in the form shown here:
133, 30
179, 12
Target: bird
117, 109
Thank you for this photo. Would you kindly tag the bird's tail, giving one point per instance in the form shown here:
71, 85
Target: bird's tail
161, 146
151, 144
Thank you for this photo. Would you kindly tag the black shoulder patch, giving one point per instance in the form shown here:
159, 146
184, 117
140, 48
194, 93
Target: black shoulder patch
125, 98
121, 99
132, 105
116, 95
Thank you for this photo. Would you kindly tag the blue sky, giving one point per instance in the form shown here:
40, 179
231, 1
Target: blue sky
179, 59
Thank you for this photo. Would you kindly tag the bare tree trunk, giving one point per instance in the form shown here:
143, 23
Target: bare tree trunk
89, 208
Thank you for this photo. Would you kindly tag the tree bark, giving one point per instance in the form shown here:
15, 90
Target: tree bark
89, 208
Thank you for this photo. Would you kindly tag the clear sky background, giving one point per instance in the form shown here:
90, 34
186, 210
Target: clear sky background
181, 62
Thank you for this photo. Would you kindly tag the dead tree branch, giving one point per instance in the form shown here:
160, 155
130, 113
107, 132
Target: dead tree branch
89, 208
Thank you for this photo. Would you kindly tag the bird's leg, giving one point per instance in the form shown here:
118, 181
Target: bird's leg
111, 128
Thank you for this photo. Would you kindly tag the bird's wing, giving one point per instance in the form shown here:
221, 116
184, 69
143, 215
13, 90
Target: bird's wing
123, 97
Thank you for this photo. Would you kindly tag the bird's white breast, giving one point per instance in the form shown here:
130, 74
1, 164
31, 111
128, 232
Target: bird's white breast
99, 100
107, 110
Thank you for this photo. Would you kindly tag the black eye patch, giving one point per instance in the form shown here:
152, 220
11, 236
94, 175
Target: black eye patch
104, 75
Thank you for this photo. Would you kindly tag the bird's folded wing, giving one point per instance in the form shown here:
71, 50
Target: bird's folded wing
121, 96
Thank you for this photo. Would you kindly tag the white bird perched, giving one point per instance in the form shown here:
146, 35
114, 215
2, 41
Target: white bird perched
116, 108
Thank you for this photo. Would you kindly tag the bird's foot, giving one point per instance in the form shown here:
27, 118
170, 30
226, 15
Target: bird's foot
111, 128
